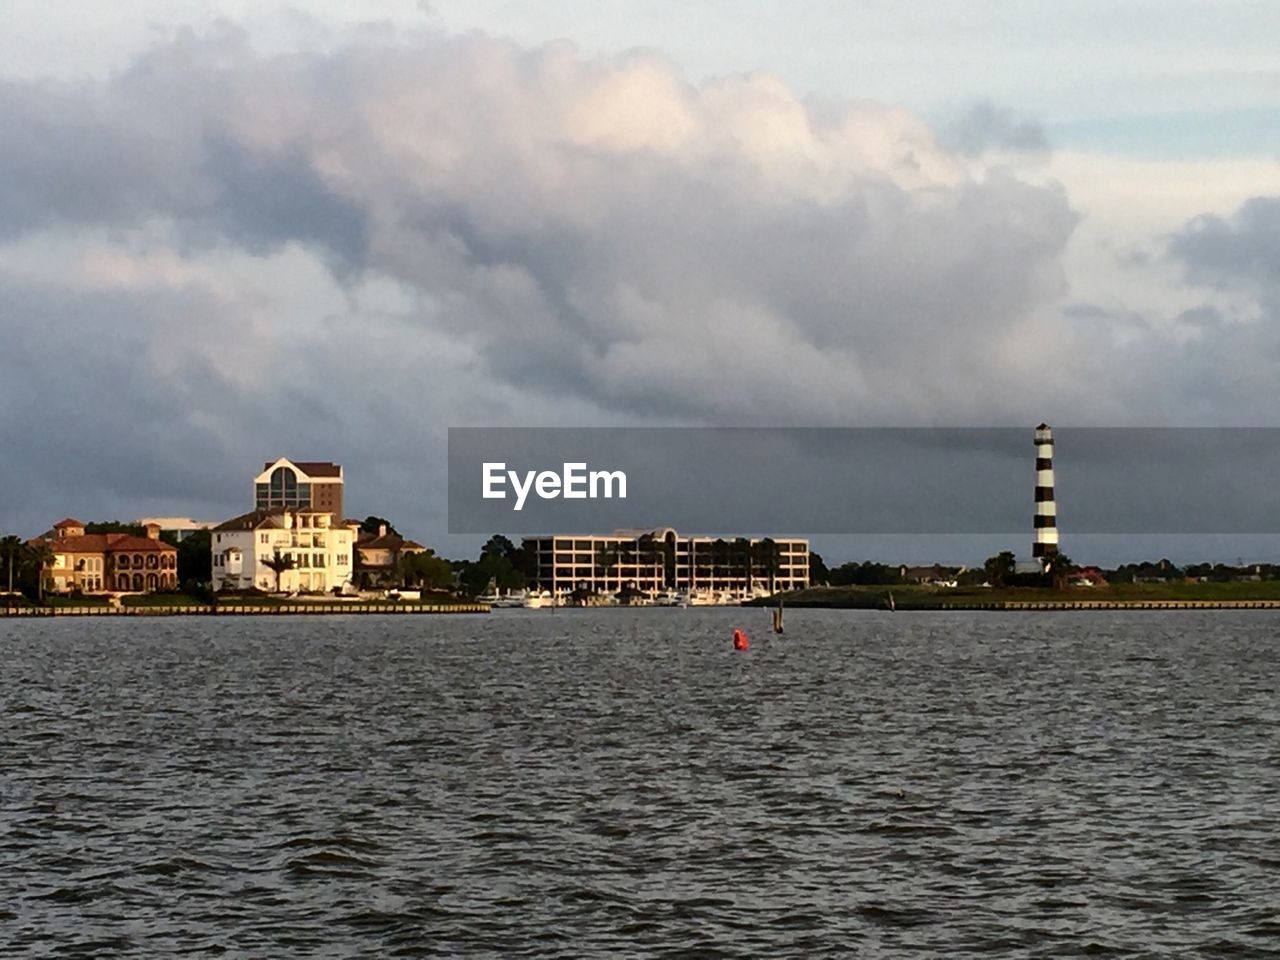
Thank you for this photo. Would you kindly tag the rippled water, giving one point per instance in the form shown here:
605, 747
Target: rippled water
591, 784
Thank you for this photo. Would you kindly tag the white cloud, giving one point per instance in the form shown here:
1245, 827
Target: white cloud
390, 234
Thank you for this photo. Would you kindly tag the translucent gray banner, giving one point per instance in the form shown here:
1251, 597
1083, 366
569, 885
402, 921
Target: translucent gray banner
728, 480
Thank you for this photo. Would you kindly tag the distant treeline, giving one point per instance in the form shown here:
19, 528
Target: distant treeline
999, 571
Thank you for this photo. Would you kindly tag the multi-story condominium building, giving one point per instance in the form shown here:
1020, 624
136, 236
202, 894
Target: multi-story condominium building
107, 562
652, 561
313, 550
308, 485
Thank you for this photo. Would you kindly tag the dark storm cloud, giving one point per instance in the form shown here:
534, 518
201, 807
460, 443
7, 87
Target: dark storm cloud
263, 202
1242, 249
87, 416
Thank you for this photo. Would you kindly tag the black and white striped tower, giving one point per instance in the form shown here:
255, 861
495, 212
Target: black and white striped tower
1046, 519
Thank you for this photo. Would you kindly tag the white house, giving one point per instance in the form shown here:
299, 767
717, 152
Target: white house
317, 551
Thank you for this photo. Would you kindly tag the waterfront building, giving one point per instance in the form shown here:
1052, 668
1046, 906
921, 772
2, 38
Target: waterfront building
316, 550
1045, 542
107, 562
653, 561
380, 554
179, 528
304, 484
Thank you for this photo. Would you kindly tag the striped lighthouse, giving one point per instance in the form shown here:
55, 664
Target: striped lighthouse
1046, 520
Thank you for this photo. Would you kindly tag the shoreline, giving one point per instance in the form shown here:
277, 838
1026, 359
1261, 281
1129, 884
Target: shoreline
244, 610
384, 609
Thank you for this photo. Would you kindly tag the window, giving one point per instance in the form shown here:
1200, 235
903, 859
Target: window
341, 560
318, 560
264, 538
282, 489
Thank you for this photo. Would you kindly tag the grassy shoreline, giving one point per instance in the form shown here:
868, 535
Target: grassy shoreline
912, 597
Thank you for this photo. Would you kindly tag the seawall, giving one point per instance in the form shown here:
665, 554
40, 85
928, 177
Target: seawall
1115, 605
246, 610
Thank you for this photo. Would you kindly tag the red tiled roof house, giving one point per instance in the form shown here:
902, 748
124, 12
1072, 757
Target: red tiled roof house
107, 562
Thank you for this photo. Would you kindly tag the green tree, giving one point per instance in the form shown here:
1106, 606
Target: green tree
427, 570
372, 524
195, 557
498, 546
767, 555
278, 564
474, 576
1059, 566
115, 526
38, 556
520, 559
999, 569
11, 548
659, 555
740, 557
818, 572
720, 551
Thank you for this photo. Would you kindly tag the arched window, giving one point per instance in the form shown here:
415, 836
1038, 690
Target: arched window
137, 561
137, 581
152, 581
283, 487
122, 561
122, 582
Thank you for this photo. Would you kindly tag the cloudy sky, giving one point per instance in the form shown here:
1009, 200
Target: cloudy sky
233, 230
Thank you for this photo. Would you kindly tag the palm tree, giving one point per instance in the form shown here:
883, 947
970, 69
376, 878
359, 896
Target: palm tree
668, 550
768, 555
11, 547
279, 564
39, 555
652, 553
606, 560
1059, 567
719, 558
740, 558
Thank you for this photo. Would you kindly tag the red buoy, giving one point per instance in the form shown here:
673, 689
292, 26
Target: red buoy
740, 641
